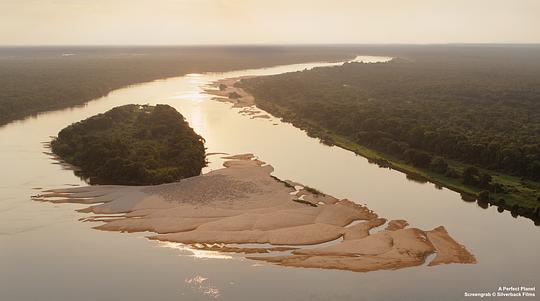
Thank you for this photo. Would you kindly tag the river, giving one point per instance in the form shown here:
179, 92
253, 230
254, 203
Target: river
47, 254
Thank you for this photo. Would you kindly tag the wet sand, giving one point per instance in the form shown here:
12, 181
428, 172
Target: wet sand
243, 203
225, 91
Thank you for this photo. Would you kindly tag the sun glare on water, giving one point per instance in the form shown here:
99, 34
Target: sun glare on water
189, 251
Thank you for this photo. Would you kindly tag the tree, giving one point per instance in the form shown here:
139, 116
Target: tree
484, 180
451, 173
438, 164
483, 196
418, 158
470, 175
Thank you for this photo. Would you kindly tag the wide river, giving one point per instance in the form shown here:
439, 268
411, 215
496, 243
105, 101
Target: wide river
47, 254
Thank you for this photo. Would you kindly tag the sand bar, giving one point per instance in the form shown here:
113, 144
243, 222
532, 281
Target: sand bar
225, 91
243, 204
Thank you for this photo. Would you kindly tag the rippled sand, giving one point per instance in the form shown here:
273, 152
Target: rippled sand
243, 204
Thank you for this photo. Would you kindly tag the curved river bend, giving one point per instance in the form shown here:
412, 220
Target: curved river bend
47, 254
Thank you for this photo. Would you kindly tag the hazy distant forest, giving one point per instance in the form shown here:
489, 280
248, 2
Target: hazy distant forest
477, 107
36, 79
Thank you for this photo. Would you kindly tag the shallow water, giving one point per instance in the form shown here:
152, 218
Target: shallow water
47, 254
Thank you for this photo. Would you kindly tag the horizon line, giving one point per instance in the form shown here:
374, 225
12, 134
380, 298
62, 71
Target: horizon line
274, 44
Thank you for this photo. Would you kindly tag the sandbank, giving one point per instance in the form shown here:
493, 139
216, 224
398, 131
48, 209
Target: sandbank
225, 91
243, 203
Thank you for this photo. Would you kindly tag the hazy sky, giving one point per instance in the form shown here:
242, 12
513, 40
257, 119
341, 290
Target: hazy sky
44, 22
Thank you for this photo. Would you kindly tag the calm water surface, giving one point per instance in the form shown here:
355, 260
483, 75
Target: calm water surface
47, 254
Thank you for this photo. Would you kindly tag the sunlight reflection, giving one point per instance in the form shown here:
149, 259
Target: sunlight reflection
196, 79
200, 284
190, 95
197, 121
200, 254
371, 59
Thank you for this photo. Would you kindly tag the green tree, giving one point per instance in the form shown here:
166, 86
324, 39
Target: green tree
470, 175
438, 164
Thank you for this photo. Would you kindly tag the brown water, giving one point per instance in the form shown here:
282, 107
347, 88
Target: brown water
47, 254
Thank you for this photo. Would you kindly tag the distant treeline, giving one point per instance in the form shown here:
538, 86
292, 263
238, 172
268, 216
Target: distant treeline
133, 145
36, 79
426, 108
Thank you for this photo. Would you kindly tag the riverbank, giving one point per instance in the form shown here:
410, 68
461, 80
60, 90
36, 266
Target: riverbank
520, 197
244, 204
93, 72
520, 201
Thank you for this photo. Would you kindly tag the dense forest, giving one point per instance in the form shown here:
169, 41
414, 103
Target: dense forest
133, 145
467, 116
36, 79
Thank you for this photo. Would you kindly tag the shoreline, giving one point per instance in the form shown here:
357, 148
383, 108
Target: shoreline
417, 174
127, 80
243, 203
374, 156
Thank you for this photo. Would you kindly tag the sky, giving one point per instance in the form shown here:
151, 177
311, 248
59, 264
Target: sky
188, 22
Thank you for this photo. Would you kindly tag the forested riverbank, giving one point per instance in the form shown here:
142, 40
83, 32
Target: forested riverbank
463, 120
37, 79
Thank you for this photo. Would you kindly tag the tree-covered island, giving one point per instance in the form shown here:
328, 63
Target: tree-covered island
132, 145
